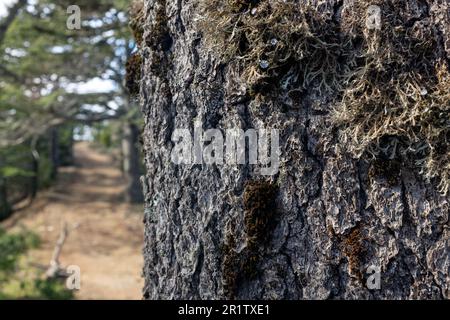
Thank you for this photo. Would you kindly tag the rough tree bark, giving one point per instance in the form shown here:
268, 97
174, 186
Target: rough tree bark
332, 220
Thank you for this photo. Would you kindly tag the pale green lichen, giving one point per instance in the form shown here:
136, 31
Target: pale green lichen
396, 104
389, 83
275, 44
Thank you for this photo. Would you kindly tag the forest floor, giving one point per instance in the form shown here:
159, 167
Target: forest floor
107, 236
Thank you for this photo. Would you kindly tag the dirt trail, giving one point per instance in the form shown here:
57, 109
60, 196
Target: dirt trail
108, 241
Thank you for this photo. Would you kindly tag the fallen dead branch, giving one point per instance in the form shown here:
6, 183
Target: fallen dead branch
55, 270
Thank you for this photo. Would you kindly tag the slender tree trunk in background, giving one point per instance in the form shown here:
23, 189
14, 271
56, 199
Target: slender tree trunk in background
332, 221
131, 163
5, 208
66, 148
34, 180
54, 151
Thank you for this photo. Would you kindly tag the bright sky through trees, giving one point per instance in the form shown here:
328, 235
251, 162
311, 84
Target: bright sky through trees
95, 85
4, 4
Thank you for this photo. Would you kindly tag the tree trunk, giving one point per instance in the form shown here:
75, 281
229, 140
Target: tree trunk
131, 163
66, 146
5, 208
328, 224
54, 151
34, 179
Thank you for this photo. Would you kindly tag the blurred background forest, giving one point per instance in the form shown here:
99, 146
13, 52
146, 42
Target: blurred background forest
59, 87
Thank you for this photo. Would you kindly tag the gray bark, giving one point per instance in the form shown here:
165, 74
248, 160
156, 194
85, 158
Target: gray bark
332, 220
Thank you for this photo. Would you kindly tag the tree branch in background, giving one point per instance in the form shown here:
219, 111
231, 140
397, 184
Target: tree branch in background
11, 75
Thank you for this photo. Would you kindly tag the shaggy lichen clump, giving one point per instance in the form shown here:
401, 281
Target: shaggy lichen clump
394, 88
133, 74
260, 208
259, 213
353, 249
401, 118
275, 44
134, 64
396, 103
137, 19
